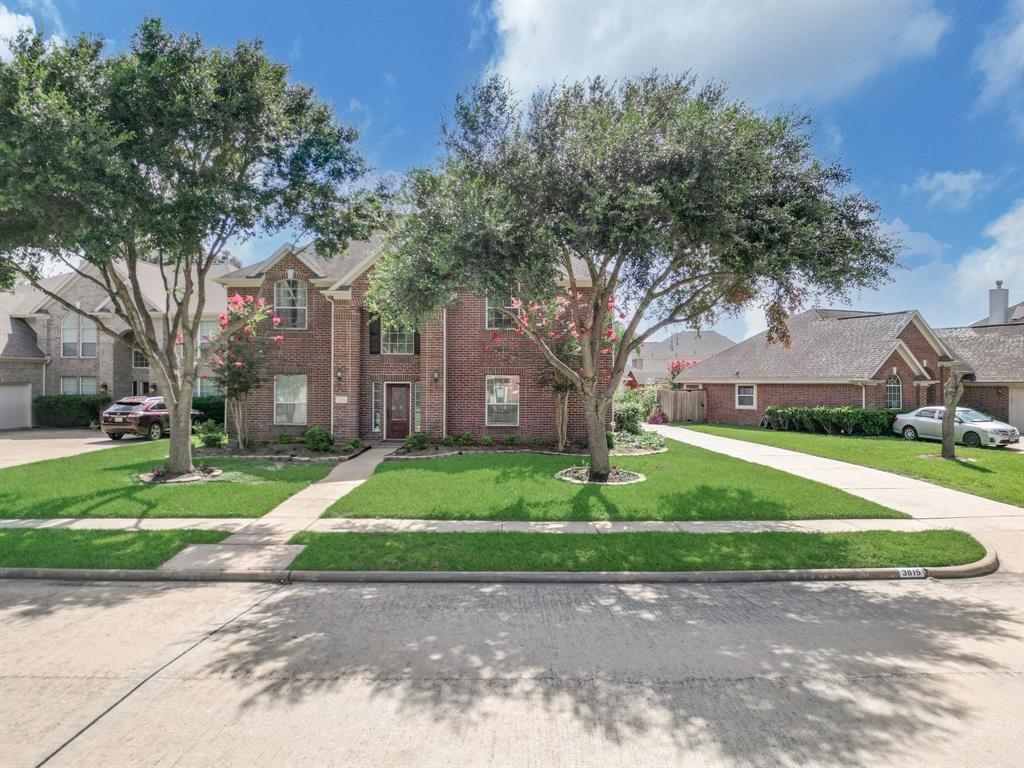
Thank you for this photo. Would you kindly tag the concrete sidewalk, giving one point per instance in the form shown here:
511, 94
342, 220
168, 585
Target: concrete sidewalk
262, 544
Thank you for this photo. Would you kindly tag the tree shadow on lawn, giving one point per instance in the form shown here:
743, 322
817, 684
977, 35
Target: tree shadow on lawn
761, 675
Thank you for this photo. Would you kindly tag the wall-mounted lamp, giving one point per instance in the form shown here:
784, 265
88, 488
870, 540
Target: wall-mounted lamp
103, 388
436, 376
339, 375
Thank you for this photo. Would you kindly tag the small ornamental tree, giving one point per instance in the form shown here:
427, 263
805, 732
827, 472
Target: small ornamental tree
675, 368
238, 363
676, 202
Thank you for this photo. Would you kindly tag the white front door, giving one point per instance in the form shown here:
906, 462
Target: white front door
1017, 406
15, 406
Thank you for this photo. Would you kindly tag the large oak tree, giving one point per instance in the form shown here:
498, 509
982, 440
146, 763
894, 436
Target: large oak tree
163, 153
670, 201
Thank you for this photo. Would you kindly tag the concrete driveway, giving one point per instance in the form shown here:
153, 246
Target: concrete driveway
24, 446
856, 675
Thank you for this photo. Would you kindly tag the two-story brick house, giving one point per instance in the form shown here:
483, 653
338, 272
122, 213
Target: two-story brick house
47, 349
338, 369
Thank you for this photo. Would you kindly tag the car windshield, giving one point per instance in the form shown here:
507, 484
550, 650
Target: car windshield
970, 415
124, 407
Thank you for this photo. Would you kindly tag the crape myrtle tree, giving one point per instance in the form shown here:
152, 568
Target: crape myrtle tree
163, 153
670, 198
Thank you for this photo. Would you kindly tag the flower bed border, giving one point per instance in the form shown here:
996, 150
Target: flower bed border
286, 457
492, 451
562, 475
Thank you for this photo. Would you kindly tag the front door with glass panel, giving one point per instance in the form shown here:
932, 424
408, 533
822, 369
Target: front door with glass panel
397, 426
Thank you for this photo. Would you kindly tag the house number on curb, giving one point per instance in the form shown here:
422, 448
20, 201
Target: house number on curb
912, 573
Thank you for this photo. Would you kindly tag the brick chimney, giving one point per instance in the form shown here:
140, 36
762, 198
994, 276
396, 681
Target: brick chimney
998, 304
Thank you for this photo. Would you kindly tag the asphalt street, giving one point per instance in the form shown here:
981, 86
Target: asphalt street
842, 674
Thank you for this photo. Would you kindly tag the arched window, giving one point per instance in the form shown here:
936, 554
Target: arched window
893, 392
290, 303
69, 335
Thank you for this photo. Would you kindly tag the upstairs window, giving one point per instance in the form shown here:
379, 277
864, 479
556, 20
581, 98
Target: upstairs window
397, 342
139, 359
290, 304
497, 320
893, 392
77, 336
502, 401
208, 330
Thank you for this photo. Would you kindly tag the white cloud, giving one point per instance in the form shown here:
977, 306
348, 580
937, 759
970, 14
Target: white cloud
918, 244
1003, 259
47, 9
765, 51
1000, 59
295, 49
951, 189
11, 24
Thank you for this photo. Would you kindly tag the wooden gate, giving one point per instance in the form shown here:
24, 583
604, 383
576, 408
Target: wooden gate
683, 404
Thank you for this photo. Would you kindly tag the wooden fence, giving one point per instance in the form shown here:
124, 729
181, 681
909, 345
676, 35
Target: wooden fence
683, 404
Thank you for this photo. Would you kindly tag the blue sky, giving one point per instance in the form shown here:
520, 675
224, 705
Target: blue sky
923, 100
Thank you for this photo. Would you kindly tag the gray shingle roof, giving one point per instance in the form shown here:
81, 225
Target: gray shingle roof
825, 344
685, 345
995, 352
336, 267
17, 339
1015, 313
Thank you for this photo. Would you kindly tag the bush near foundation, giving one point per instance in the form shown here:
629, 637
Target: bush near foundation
68, 410
840, 420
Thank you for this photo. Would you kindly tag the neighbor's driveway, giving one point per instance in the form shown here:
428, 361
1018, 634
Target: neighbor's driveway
27, 445
858, 675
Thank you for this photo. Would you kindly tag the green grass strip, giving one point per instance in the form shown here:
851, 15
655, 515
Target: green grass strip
685, 483
653, 551
105, 484
996, 474
61, 548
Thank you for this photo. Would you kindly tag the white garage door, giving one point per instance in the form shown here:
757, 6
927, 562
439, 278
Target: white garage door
1017, 407
15, 406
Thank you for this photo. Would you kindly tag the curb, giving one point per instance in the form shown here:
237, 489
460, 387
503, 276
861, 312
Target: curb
983, 567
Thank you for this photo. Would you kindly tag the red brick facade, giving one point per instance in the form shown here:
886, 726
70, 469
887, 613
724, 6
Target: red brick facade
451, 387
993, 399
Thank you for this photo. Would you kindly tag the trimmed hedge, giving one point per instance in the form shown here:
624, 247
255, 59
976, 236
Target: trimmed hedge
841, 420
68, 410
211, 408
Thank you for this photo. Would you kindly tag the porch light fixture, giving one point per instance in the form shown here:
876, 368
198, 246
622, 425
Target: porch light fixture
339, 375
436, 376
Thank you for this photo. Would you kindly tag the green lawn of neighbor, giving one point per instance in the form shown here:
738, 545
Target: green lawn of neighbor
654, 551
989, 472
105, 484
686, 483
61, 548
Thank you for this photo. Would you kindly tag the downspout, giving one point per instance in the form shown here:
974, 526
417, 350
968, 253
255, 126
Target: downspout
863, 396
444, 371
331, 374
46, 362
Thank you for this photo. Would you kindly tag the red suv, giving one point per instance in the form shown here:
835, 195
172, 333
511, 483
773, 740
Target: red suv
138, 416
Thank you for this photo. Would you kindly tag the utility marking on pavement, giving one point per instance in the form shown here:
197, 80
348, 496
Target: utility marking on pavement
153, 674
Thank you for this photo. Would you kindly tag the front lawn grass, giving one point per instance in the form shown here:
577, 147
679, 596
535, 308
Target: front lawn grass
994, 474
105, 484
57, 548
653, 551
686, 483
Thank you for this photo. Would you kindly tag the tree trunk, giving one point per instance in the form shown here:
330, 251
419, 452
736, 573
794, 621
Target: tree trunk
594, 410
561, 418
952, 390
179, 462
237, 408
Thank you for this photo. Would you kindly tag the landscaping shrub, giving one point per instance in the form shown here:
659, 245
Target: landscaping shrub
285, 439
651, 441
486, 440
68, 410
632, 407
353, 445
211, 407
210, 434
417, 441
318, 439
464, 438
658, 417
839, 420
610, 439
512, 440
448, 441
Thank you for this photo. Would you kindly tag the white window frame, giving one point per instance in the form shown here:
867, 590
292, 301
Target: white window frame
375, 427
388, 335
488, 314
304, 306
78, 385
96, 385
212, 389
211, 335
65, 326
291, 423
139, 352
83, 324
488, 403
736, 400
894, 380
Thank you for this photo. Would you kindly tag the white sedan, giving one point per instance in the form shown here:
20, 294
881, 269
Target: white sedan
971, 427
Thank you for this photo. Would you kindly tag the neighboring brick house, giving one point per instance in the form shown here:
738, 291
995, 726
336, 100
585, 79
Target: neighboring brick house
338, 369
45, 349
995, 354
649, 364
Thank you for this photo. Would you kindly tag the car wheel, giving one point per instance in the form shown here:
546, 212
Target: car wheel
115, 435
156, 431
909, 433
972, 440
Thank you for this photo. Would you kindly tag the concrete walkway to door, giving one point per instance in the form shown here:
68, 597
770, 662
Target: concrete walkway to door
263, 543
999, 525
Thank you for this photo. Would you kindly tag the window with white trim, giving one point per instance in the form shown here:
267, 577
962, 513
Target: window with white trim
208, 330
290, 304
69, 385
77, 336
139, 359
397, 342
496, 319
289, 398
88, 333
377, 407
204, 386
87, 385
78, 385
746, 396
893, 392
502, 401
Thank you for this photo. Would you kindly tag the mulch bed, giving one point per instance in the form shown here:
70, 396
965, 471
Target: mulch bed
617, 476
202, 473
442, 451
289, 452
